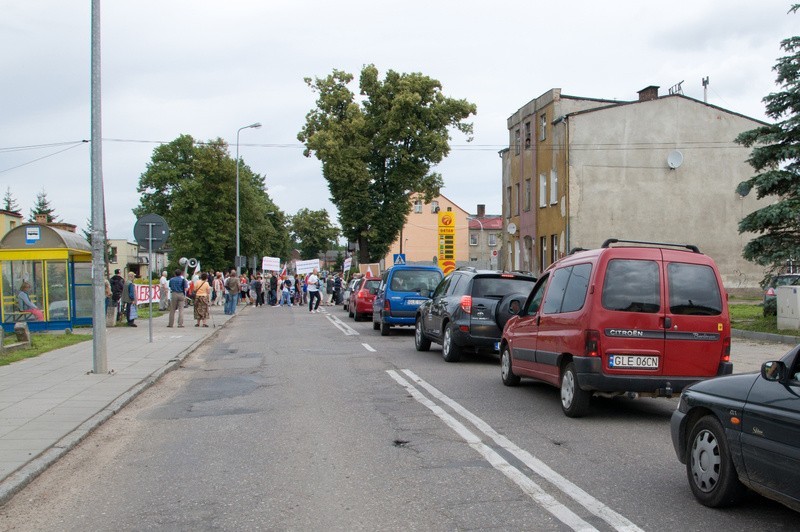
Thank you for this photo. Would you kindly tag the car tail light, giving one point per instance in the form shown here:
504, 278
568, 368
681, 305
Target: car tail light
726, 349
770, 292
386, 306
592, 347
466, 304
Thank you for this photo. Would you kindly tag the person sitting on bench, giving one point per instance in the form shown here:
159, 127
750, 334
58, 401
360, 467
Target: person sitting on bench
25, 304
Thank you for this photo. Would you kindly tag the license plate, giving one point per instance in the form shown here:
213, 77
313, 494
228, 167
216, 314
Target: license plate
497, 346
632, 362
416, 301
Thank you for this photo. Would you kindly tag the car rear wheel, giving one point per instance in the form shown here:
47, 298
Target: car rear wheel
506, 373
350, 313
384, 328
450, 351
376, 324
421, 342
574, 401
712, 475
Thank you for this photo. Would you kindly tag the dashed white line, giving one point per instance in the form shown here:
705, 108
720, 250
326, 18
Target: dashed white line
342, 326
369, 348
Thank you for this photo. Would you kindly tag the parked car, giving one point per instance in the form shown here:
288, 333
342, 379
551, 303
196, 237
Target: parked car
403, 289
348, 289
469, 309
742, 431
635, 319
771, 297
362, 297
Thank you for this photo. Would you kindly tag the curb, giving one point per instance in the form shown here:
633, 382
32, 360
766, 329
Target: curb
765, 337
23, 476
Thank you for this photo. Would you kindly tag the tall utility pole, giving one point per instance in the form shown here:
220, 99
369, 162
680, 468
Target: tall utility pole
236, 261
99, 353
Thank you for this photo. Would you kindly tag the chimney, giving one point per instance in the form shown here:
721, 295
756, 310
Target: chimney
41, 218
648, 93
481, 210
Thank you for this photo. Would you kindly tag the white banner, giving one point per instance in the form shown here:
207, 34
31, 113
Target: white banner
270, 264
306, 266
348, 263
141, 293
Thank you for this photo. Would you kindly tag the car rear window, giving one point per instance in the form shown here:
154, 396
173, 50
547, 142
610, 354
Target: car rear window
785, 280
693, 290
632, 286
372, 286
499, 287
422, 281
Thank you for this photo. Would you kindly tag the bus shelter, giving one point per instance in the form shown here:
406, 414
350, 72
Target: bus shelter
55, 265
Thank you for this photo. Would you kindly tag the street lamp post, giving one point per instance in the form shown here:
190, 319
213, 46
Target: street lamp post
480, 238
236, 260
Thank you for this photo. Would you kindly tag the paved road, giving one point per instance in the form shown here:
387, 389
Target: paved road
292, 421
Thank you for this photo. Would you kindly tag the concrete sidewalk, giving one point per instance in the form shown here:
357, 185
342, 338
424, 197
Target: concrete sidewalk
50, 403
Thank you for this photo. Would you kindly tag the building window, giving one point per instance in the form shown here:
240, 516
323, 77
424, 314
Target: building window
516, 142
508, 201
527, 135
553, 248
516, 203
542, 253
543, 127
434, 206
112, 255
542, 190
473, 259
492, 239
473, 239
553, 187
527, 194
418, 206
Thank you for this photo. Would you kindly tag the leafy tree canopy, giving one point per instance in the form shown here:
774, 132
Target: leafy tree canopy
193, 186
776, 159
42, 206
378, 150
313, 232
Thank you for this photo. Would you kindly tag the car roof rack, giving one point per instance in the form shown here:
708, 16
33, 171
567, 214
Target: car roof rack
690, 247
575, 250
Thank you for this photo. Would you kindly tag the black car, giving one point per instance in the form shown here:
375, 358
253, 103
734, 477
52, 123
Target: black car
469, 309
742, 431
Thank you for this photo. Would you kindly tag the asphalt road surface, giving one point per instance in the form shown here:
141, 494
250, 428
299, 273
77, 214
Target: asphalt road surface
296, 421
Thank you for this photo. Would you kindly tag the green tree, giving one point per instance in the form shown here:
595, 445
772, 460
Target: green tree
42, 206
193, 186
312, 232
376, 152
776, 159
9, 202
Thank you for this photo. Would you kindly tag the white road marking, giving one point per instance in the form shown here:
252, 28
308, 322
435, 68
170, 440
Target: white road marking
533, 490
369, 348
342, 326
614, 519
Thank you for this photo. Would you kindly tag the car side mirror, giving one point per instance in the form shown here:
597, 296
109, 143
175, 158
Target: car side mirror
773, 371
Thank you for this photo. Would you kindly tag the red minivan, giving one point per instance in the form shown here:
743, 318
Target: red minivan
362, 297
643, 318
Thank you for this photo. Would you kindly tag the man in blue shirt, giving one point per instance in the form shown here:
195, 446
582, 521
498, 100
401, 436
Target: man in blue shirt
177, 297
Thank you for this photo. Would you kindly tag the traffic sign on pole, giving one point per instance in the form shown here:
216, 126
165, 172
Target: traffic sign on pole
399, 259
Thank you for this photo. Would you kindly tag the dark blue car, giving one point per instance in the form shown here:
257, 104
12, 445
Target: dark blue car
403, 289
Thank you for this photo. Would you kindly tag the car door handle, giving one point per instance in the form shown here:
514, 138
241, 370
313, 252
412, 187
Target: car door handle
667, 323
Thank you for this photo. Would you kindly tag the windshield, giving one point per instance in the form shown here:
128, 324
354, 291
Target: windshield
422, 281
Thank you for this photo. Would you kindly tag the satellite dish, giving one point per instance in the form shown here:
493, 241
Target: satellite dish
674, 159
512, 228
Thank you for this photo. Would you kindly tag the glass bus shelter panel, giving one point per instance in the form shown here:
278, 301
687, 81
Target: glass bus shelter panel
84, 293
57, 291
15, 272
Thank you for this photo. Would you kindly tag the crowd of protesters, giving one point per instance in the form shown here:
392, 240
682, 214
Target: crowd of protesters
229, 289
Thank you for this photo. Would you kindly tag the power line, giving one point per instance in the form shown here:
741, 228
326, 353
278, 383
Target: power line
80, 143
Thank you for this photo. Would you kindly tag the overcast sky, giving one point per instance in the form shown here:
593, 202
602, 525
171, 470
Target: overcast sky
208, 68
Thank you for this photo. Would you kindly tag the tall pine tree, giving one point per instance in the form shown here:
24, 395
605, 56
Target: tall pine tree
776, 159
42, 206
9, 202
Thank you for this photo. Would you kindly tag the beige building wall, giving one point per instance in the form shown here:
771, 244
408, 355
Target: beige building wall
9, 220
627, 189
421, 232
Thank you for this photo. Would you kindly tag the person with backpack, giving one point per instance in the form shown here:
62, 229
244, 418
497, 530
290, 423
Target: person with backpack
117, 286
